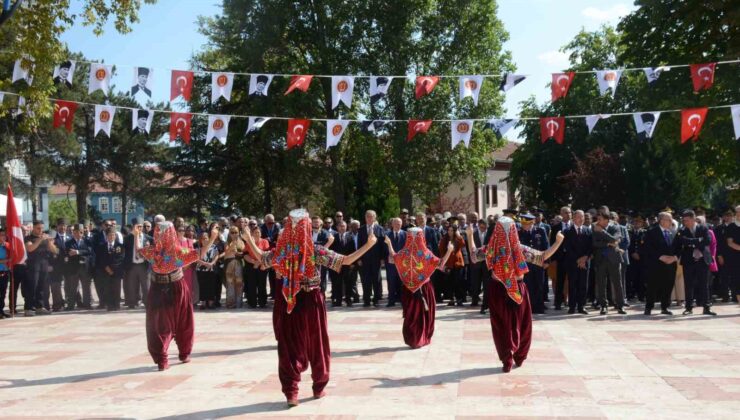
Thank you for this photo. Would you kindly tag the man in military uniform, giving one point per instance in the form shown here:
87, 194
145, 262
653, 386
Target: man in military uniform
720, 232
635, 271
536, 238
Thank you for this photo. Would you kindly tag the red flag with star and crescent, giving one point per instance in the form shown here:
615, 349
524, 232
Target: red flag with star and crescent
64, 114
702, 75
14, 233
181, 84
297, 129
552, 128
300, 82
560, 84
425, 85
691, 122
418, 126
180, 126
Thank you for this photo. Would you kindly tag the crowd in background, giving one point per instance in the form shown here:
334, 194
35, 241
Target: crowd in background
607, 260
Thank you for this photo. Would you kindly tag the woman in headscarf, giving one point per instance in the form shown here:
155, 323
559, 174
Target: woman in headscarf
508, 299
415, 264
299, 314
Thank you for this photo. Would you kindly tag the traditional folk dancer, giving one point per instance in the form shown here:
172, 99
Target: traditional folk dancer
508, 299
169, 308
415, 264
299, 314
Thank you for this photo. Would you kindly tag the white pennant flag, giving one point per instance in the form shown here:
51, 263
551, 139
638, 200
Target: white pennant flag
218, 127
470, 86
141, 121
258, 85
591, 120
20, 72
341, 90
735, 112
500, 126
334, 131
461, 131
608, 79
143, 81
104, 118
255, 123
63, 73
99, 78
652, 74
21, 106
379, 87
511, 80
221, 84
645, 123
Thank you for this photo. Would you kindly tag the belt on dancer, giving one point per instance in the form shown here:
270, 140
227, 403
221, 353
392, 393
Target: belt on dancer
309, 285
172, 277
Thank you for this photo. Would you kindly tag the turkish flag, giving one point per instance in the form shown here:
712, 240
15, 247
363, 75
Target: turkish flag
425, 85
181, 84
64, 114
552, 127
560, 84
297, 132
180, 126
301, 82
16, 246
417, 126
702, 75
691, 122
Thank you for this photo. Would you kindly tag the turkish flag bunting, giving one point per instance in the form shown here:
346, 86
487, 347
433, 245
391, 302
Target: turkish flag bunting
181, 84
691, 122
14, 233
418, 126
180, 126
702, 75
297, 129
425, 85
552, 127
64, 113
560, 84
301, 82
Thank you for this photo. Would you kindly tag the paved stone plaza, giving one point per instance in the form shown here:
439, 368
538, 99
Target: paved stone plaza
95, 365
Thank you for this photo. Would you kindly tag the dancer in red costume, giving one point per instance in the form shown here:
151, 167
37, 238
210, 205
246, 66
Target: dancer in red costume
415, 264
508, 299
169, 308
299, 314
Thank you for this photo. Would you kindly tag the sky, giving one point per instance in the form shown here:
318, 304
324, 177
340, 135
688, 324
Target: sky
166, 37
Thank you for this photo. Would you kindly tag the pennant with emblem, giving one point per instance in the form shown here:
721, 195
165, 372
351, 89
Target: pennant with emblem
334, 131
221, 84
218, 128
99, 78
608, 80
470, 87
341, 90
461, 132
104, 118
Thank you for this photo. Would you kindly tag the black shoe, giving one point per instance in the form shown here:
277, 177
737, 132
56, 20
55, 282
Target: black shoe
603, 311
647, 312
451, 303
708, 311
366, 305
474, 303
621, 311
335, 304
375, 304
482, 311
349, 304
666, 312
390, 305
571, 311
688, 312
583, 311
558, 308
626, 305
460, 303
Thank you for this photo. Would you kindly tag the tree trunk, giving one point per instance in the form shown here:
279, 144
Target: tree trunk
81, 192
34, 198
406, 198
267, 191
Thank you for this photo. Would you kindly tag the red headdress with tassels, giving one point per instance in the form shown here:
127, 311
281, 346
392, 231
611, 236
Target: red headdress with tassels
504, 257
415, 262
294, 255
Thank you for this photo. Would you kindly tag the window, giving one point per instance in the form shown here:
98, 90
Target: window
117, 205
488, 196
493, 194
103, 205
131, 206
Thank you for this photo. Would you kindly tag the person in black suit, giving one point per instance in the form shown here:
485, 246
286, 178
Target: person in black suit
657, 254
136, 267
559, 257
79, 259
354, 270
370, 270
341, 286
636, 271
398, 241
110, 269
478, 270
607, 258
535, 238
59, 267
578, 249
321, 236
270, 231
692, 247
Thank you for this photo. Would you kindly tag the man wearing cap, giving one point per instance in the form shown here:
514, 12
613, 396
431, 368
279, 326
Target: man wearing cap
142, 77
535, 238
136, 267
692, 247
79, 262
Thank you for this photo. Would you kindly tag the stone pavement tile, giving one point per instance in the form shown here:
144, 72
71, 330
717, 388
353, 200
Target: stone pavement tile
34, 358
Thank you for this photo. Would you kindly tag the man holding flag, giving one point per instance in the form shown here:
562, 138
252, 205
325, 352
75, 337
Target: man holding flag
15, 252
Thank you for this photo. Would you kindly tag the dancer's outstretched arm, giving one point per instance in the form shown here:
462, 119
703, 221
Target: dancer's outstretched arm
546, 254
351, 258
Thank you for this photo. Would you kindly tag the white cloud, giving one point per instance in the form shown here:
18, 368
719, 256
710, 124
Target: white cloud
606, 15
554, 58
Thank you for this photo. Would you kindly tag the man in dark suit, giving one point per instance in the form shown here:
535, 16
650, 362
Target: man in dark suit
607, 259
79, 258
110, 269
270, 231
636, 270
320, 236
536, 238
142, 119
398, 240
136, 267
578, 249
478, 269
692, 247
353, 274
59, 267
624, 245
559, 257
142, 77
63, 76
657, 254
370, 270
340, 285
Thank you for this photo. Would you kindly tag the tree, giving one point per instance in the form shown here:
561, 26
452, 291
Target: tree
62, 209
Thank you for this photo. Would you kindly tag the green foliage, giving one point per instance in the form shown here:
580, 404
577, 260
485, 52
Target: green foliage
62, 209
